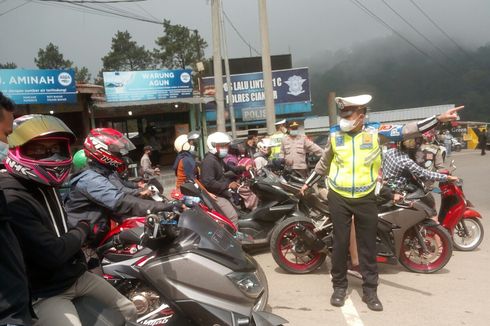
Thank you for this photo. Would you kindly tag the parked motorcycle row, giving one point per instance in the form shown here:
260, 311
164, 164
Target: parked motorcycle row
192, 267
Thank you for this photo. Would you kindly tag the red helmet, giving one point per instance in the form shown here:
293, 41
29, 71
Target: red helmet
108, 146
40, 149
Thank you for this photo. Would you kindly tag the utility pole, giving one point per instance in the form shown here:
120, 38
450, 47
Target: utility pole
218, 73
228, 79
332, 109
270, 112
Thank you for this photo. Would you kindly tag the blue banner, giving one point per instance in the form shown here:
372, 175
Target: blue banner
147, 85
289, 86
48, 86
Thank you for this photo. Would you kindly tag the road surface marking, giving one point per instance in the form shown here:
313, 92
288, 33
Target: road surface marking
351, 315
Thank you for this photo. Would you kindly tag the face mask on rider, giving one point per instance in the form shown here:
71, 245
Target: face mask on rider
223, 152
4, 149
294, 132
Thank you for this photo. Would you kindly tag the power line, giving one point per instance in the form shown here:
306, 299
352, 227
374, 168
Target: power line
440, 29
146, 11
93, 1
239, 34
12, 9
385, 24
114, 13
420, 33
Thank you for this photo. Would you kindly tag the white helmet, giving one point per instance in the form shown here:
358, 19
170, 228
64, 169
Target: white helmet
181, 143
217, 138
265, 143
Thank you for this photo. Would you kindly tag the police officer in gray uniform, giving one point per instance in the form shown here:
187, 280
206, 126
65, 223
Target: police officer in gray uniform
295, 146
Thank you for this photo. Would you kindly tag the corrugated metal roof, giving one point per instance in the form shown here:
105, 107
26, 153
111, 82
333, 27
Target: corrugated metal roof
391, 116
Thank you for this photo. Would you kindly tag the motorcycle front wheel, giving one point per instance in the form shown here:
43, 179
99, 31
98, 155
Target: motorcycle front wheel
289, 251
468, 234
438, 251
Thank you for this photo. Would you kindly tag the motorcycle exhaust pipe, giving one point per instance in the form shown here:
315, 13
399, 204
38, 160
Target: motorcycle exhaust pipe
310, 240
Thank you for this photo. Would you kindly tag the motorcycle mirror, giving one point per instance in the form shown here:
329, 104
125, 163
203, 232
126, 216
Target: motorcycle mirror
453, 166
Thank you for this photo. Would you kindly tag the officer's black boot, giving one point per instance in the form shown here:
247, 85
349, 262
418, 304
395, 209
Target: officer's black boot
338, 297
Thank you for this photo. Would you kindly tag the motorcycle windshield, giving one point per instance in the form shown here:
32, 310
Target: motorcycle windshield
199, 231
269, 177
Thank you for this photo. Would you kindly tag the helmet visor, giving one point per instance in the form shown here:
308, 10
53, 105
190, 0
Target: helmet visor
57, 148
29, 127
121, 146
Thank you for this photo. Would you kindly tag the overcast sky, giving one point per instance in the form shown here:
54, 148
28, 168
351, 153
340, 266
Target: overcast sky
304, 28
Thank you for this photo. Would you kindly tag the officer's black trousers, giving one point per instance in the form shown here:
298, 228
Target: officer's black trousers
365, 214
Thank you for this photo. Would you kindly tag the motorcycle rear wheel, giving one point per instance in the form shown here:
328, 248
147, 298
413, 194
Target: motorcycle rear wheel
439, 245
470, 241
288, 250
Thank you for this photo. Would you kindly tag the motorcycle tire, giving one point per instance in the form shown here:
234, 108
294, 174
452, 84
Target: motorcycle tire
437, 240
262, 303
287, 251
457, 148
464, 242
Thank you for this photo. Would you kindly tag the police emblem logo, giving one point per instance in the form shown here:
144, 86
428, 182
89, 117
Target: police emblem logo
367, 141
339, 141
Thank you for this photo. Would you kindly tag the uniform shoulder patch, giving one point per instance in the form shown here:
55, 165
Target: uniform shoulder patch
334, 128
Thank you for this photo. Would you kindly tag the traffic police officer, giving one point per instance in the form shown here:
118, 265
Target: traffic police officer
276, 138
351, 160
295, 146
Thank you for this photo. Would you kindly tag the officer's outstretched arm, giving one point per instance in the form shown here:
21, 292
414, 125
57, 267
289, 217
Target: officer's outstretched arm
415, 129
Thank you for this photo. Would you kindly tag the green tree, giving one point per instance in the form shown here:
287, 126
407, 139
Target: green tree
82, 75
8, 65
179, 47
51, 58
126, 55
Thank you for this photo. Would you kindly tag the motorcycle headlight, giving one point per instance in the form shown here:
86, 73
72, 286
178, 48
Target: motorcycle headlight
247, 282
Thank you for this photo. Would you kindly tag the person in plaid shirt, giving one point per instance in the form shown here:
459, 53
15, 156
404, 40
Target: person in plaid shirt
398, 169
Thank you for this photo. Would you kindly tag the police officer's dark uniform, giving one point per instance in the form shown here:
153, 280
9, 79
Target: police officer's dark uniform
352, 160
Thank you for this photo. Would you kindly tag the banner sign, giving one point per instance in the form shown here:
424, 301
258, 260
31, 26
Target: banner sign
45, 86
147, 85
289, 85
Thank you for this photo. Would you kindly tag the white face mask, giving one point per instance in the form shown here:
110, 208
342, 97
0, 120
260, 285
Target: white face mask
347, 125
294, 132
4, 149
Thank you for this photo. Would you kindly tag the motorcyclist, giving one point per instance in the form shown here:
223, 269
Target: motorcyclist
93, 196
261, 158
38, 162
134, 188
185, 166
213, 173
399, 169
14, 291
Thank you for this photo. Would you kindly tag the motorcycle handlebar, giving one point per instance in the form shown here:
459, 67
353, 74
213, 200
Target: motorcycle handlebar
108, 245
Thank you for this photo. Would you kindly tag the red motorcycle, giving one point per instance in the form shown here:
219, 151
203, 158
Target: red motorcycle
458, 216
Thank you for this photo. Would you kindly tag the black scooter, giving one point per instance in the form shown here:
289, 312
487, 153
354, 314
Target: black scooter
274, 205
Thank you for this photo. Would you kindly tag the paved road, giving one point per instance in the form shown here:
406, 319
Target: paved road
459, 294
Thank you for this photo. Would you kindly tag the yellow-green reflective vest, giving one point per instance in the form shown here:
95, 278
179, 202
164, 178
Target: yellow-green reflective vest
355, 163
276, 141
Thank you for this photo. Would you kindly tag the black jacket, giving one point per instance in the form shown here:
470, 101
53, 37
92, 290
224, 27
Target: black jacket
213, 175
14, 290
52, 254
